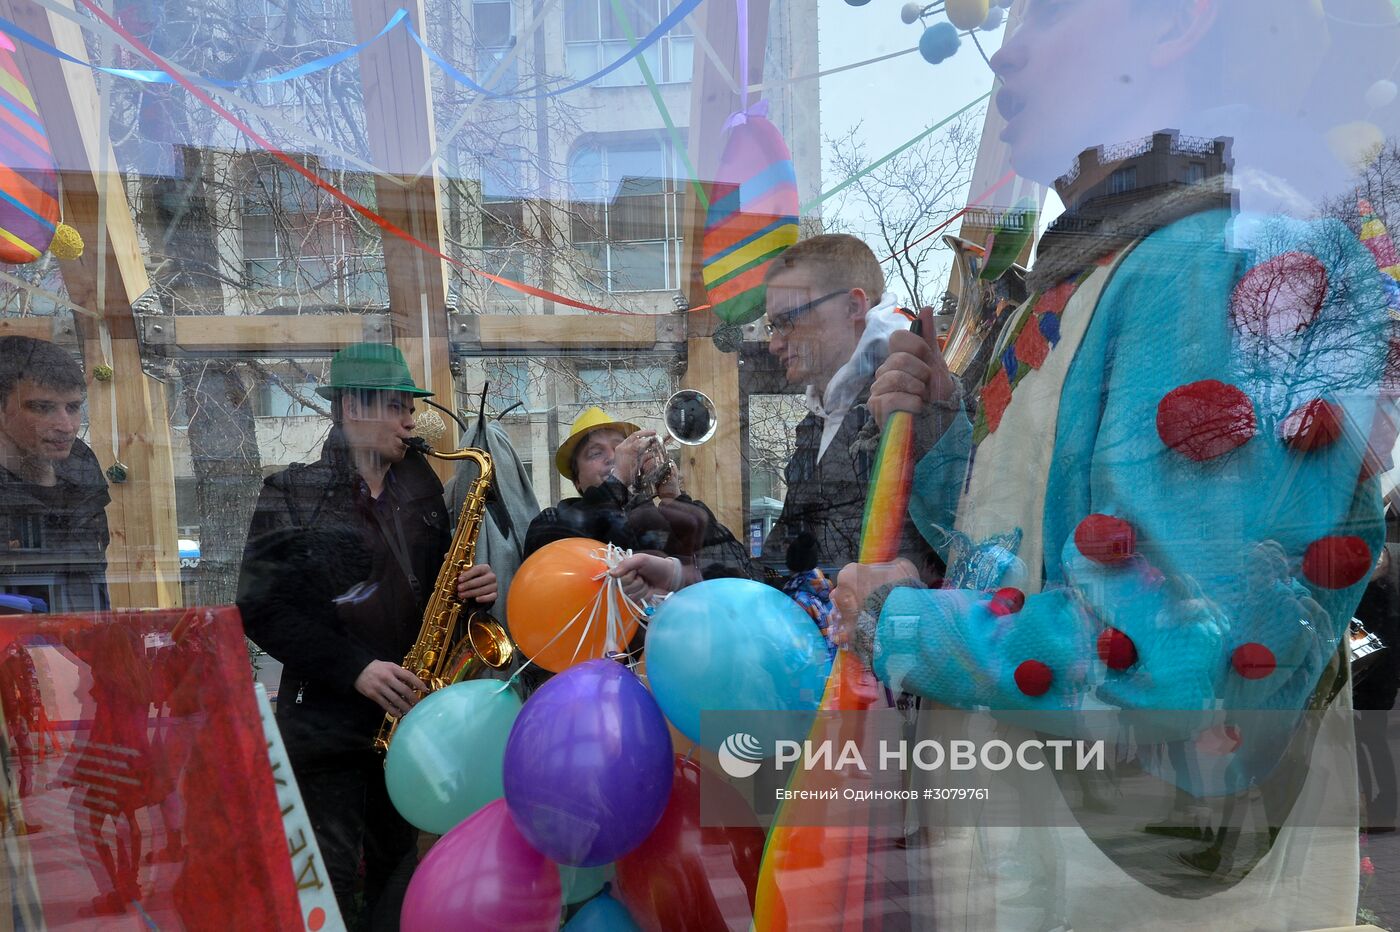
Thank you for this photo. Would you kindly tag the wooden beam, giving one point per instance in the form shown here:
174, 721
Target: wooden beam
539, 333
128, 416
40, 328
714, 470
262, 334
399, 124
277, 335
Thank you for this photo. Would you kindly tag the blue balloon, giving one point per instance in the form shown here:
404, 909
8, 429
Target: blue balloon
939, 42
602, 914
737, 645
444, 762
588, 765
857, 2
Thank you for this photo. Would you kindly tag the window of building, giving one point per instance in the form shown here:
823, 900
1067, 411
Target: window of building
608, 385
272, 400
494, 38
1123, 180
508, 382
302, 248
1196, 172
595, 37
625, 214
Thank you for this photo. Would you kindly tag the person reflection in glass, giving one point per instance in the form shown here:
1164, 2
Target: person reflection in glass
1173, 502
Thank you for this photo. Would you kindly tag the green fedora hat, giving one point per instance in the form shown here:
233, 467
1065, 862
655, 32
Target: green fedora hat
371, 366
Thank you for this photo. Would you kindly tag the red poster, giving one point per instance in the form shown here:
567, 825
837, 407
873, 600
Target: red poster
137, 792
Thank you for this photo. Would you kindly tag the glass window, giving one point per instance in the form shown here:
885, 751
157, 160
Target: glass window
597, 36
625, 216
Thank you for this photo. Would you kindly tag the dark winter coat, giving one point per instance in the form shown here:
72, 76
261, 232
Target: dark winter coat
53, 539
322, 590
684, 528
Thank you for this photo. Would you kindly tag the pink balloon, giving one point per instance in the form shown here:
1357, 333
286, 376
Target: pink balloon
483, 875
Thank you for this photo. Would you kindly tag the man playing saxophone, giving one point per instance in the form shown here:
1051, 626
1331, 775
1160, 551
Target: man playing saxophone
341, 558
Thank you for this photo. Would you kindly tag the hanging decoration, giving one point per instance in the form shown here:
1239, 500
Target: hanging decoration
399, 18
753, 209
29, 205
941, 40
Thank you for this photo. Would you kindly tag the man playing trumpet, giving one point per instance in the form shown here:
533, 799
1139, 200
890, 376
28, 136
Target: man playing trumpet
631, 497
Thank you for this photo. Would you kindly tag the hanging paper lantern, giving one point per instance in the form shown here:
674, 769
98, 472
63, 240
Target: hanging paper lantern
28, 175
752, 218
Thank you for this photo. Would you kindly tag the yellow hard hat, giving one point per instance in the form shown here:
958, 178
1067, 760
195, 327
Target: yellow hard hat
590, 420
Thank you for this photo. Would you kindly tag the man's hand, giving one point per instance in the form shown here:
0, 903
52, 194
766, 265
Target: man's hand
645, 574
854, 584
913, 376
628, 456
670, 489
477, 583
391, 686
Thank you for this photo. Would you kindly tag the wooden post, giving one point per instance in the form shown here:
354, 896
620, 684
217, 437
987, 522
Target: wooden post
399, 124
713, 469
127, 416
993, 162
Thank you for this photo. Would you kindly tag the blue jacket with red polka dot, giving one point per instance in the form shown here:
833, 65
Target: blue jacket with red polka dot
1212, 511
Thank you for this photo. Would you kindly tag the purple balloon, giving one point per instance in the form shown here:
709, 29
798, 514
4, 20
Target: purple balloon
483, 875
588, 765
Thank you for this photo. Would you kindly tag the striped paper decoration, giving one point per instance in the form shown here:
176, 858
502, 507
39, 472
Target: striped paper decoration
752, 218
28, 175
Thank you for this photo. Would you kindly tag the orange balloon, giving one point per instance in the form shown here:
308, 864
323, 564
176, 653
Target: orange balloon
551, 599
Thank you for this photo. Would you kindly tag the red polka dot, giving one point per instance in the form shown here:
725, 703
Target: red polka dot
1205, 419
1313, 426
1116, 649
316, 919
1280, 297
1105, 539
1337, 562
1253, 661
1006, 601
1033, 678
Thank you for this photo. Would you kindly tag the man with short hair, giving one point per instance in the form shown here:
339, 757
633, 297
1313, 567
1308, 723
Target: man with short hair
341, 560
829, 321
53, 496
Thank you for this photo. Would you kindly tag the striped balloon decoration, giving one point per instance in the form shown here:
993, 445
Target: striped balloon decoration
752, 218
28, 175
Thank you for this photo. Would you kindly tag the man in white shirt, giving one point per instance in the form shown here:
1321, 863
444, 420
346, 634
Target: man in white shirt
829, 321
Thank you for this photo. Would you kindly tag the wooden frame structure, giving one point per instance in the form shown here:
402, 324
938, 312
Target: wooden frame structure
129, 420
128, 417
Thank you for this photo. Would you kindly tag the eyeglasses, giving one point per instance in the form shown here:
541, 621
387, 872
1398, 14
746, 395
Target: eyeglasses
783, 323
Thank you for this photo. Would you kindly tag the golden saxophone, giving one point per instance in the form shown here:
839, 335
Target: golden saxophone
434, 659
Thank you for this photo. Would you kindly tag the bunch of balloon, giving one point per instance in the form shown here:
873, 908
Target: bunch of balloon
602, 914
483, 875
562, 608
691, 878
445, 760
588, 765
735, 645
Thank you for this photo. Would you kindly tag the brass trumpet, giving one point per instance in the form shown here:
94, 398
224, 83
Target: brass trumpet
690, 420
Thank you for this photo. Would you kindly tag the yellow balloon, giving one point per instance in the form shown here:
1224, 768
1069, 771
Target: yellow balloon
967, 14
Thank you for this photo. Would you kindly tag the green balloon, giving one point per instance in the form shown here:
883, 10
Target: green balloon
445, 759
579, 883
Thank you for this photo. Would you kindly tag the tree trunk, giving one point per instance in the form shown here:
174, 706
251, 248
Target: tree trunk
227, 471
